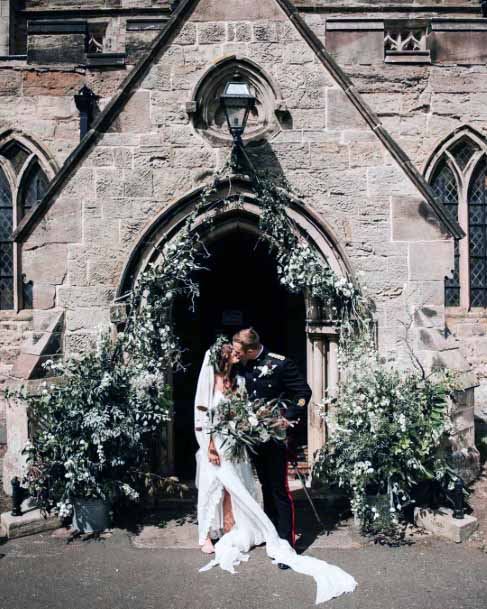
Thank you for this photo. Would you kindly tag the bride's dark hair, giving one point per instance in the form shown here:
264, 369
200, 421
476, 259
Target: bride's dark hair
225, 366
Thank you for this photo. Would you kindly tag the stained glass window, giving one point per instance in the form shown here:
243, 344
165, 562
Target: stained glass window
477, 228
445, 190
35, 186
6, 245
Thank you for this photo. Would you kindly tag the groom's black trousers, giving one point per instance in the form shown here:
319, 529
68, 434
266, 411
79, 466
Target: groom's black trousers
270, 462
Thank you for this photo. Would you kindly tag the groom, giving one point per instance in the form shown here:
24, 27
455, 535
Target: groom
269, 376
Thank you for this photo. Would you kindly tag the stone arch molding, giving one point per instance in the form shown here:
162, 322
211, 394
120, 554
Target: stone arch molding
33, 148
241, 209
206, 111
443, 150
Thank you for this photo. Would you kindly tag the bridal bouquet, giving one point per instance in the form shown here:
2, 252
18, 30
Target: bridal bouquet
245, 423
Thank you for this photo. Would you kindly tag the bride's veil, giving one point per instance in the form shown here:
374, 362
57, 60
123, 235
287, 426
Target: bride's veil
202, 403
204, 388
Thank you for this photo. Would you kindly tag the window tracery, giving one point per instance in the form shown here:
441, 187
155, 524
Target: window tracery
458, 181
23, 183
6, 244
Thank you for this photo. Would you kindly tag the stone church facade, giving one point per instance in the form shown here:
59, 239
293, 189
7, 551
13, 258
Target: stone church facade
375, 115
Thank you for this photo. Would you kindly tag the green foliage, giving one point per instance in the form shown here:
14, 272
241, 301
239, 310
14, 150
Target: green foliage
300, 268
391, 431
90, 430
244, 424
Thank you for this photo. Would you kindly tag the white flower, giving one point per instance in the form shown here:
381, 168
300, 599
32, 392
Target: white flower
253, 421
266, 370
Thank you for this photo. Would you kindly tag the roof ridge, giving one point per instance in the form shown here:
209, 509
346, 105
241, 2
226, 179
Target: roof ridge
343, 80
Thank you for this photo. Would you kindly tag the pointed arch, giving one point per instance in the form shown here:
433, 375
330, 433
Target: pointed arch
465, 133
246, 212
47, 162
26, 169
457, 171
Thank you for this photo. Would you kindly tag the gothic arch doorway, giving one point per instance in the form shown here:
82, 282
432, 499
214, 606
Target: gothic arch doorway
241, 288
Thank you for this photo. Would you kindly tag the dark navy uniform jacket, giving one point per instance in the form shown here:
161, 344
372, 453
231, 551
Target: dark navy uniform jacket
272, 376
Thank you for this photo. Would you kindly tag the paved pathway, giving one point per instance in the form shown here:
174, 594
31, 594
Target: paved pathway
129, 571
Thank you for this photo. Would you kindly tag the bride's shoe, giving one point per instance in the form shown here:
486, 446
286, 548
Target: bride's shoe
207, 547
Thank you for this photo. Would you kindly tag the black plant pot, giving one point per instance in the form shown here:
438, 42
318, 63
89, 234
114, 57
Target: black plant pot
91, 515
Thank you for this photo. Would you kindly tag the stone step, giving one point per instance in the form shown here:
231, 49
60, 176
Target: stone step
31, 522
442, 523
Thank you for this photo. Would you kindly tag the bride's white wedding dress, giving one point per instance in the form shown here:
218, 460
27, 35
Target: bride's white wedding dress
252, 526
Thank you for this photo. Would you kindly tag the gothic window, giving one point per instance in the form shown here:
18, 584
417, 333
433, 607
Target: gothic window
35, 186
445, 189
477, 230
6, 244
22, 185
459, 183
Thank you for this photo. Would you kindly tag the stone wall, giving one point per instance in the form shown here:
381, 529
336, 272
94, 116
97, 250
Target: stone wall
421, 104
152, 155
14, 328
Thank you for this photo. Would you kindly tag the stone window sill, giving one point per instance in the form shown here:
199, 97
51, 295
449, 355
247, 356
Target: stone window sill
11, 315
460, 313
407, 57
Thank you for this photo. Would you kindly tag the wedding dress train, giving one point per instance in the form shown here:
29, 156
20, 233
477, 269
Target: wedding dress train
252, 526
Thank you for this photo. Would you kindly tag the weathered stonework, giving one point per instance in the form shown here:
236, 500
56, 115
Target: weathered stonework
336, 159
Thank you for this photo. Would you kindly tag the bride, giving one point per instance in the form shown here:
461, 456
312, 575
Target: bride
227, 505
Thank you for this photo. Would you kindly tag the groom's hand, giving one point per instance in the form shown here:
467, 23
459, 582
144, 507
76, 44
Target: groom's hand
282, 423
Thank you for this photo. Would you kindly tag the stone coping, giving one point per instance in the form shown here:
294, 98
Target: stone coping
353, 24
55, 26
142, 25
407, 57
458, 25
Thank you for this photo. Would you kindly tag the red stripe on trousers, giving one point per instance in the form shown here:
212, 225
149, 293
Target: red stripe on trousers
293, 531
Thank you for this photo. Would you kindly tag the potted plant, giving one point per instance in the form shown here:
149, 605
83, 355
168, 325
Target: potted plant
391, 433
90, 434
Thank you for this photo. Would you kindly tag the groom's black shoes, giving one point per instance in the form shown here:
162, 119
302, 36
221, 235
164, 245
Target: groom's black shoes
282, 566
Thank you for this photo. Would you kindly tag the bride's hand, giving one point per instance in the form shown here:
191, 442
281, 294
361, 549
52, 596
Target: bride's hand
213, 455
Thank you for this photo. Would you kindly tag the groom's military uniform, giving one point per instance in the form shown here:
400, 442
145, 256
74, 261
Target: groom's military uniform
267, 377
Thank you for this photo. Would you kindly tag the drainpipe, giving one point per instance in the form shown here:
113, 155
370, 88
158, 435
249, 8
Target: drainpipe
84, 101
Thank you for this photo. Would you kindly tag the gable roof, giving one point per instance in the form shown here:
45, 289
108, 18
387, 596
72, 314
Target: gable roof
182, 12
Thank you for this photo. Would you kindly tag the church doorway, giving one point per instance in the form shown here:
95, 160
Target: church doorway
239, 289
